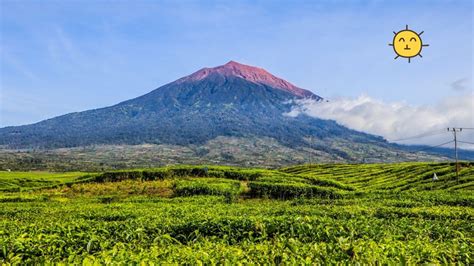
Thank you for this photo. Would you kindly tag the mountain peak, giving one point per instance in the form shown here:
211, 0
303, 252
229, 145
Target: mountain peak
233, 63
249, 73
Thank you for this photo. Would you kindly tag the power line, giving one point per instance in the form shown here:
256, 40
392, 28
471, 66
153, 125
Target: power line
432, 147
430, 133
455, 131
426, 134
466, 142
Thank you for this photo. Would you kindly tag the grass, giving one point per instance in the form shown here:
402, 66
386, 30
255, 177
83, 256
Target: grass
14, 181
309, 214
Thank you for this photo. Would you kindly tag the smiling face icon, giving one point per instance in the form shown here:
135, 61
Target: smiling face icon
407, 43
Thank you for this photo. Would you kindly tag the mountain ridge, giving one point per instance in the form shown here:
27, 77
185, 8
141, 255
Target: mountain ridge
233, 101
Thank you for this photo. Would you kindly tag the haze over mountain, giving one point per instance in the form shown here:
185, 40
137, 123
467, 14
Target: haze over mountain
232, 100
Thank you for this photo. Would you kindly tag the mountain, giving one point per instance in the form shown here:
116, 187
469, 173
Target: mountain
230, 101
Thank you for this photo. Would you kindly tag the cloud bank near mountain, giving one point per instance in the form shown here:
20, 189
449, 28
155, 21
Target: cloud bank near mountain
397, 121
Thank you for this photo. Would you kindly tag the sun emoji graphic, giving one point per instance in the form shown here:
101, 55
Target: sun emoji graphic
407, 43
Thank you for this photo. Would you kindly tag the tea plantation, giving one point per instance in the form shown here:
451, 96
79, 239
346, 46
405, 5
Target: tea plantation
308, 214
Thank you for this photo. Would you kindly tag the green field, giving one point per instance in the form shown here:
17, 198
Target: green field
16, 181
309, 214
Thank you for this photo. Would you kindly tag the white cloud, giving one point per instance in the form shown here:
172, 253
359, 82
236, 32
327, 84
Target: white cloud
398, 120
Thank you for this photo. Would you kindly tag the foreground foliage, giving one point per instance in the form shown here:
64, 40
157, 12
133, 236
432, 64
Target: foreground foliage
213, 215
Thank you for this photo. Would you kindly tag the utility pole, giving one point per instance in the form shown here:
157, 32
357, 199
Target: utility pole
455, 130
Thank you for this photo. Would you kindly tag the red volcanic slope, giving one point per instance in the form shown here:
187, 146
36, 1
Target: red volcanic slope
249, 73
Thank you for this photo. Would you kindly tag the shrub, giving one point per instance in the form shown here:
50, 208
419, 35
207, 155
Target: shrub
241, 175
227, 188
155, 175
118, 176
290, 190
328, 183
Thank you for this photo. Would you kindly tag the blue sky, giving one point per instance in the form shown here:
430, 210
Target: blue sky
64, 56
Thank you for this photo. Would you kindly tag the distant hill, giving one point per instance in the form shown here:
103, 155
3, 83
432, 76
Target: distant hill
231, 101
441, 151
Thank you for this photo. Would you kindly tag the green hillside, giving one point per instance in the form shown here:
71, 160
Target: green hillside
392, 177
309, 214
